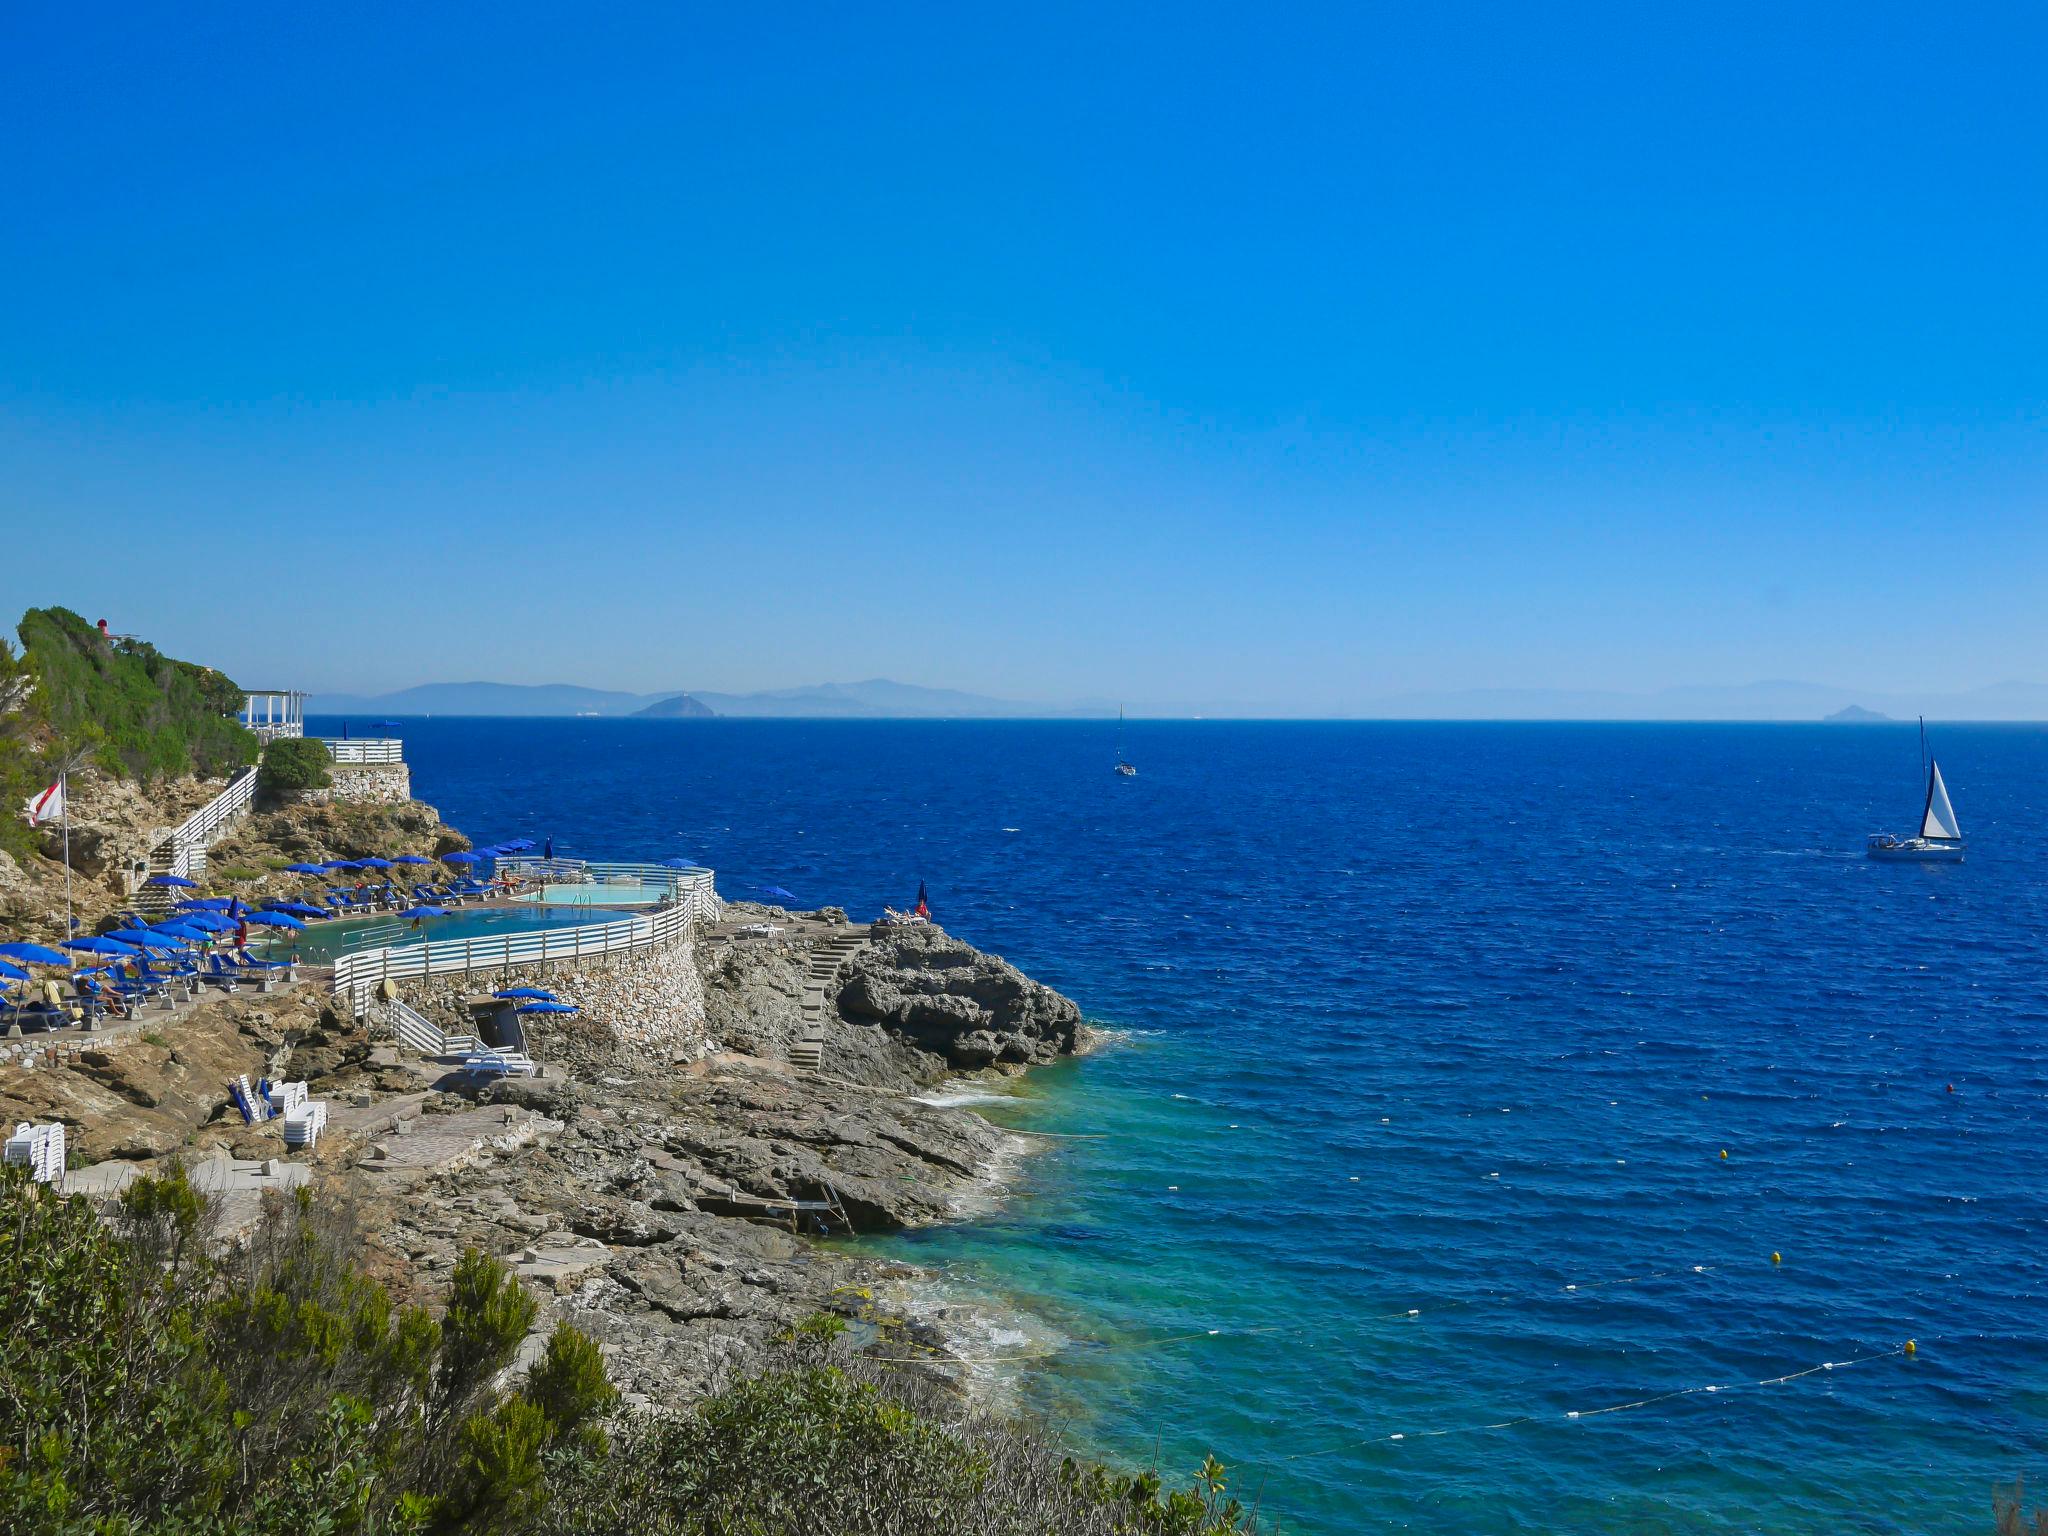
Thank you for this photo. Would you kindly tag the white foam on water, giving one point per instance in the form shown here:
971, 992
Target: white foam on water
957, 1094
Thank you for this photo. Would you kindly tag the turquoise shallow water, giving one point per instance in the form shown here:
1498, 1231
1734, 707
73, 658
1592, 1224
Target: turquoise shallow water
1457, 1020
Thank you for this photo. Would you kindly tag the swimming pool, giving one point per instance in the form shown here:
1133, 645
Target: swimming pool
321, 942
598, 894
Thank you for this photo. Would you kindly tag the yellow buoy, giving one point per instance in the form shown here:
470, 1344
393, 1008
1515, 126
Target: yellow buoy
1776, 1258
1912, 1348
1724, 1154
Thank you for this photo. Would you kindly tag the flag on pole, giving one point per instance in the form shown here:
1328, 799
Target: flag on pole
47, 806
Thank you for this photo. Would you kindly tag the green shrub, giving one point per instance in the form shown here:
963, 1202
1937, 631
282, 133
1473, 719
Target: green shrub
292, 765
154, 1383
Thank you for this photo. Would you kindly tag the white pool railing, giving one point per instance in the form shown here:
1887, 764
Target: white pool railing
357, 973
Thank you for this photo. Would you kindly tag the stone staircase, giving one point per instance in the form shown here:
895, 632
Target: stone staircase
808, 1054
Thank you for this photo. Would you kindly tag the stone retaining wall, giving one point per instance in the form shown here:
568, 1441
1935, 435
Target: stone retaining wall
379, 783
648, 1001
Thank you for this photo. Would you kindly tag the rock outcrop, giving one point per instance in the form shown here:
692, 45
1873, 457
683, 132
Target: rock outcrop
950, 1000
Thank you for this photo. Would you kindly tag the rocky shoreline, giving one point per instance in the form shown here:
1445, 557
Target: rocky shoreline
666, 1181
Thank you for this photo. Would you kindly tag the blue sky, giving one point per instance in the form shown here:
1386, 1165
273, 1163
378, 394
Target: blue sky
1304, 355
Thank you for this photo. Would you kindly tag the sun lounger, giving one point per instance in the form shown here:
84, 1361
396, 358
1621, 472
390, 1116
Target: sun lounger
501, 1064
40, 1149
303, 1124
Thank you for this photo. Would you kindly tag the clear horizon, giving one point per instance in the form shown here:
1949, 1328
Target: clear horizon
1165, 356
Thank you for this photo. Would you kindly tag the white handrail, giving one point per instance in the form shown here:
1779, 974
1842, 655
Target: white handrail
374, 749
357, 973
232, 801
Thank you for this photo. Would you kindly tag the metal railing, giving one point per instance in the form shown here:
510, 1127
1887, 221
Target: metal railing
375, 749
198, 829
357, 974
677, 882
182, 850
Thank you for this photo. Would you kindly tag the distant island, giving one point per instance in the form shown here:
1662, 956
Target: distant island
1856, 714
681, 707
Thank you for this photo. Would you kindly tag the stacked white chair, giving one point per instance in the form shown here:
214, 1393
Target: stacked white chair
40, 1148
303, 1125
285, 1097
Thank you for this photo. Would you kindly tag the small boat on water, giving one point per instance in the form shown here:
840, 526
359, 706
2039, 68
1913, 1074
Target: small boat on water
1940, 840
1124, 767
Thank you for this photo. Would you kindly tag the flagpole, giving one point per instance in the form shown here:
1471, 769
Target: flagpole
64, 801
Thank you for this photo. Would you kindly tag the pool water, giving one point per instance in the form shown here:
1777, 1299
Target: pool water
322, 941
597, 895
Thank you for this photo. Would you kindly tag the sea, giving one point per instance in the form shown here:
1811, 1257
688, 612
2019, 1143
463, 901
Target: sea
1506, 1127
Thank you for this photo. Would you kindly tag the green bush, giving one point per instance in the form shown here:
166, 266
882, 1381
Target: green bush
292, 765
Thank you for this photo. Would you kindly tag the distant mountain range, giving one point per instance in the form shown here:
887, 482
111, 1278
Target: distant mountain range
876, 699
881, 699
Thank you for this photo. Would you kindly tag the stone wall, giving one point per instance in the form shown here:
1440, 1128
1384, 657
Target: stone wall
381, 783
646, 1003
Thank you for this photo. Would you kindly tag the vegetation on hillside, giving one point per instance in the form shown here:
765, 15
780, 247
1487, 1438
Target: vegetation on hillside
151, 1385
118, 703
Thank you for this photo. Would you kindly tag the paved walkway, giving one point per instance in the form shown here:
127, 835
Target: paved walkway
234, 1187
17, 1044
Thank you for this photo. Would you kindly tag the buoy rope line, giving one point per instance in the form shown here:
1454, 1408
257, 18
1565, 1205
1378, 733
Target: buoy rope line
1045, 1353
1575, 1415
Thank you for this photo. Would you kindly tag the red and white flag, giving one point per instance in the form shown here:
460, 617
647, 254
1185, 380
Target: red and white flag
47, 806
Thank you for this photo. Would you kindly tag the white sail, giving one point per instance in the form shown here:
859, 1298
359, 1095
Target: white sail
1940, 818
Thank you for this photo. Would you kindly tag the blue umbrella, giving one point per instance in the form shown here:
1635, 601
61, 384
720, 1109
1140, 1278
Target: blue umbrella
142, 938
677, 864
305, 869
100, 946
207, 904
12, 971
460, 858
333, 864
411, 858
777, 892
547, 1007
179, 882
517, 845
373, 863
209, 922
424, 911
300, 909
34, 954
511, 993
273, 920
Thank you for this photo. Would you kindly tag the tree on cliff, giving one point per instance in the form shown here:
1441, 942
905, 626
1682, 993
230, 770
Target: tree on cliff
292, 766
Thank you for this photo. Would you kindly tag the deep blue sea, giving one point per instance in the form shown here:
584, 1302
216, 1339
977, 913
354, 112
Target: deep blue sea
1432, 1037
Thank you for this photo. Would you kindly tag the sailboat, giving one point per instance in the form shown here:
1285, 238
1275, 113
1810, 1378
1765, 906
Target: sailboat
1940, 840
1124, 767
